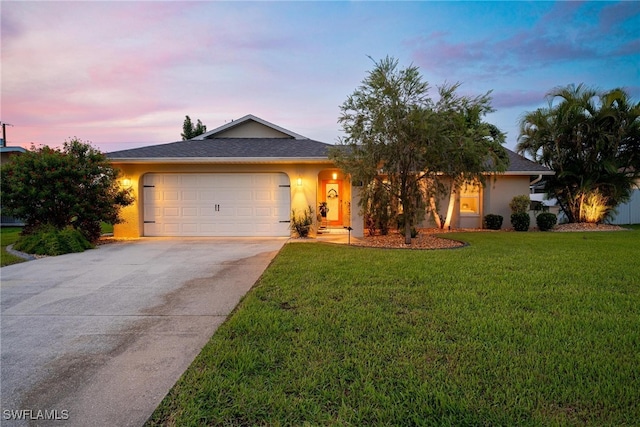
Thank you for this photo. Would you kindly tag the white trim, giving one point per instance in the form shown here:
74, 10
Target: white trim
223, 160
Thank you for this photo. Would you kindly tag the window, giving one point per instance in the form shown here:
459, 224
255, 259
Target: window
470, 200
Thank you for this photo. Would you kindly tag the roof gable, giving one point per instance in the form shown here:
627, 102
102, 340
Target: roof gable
249, 126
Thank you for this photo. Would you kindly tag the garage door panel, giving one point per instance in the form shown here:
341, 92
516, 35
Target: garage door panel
169, 195
190, 195
216, 204
169, 179
208, 212
190, 212
172, 212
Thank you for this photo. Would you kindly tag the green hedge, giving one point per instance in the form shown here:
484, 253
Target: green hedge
493, 221
520, 221
48, 240
546, 221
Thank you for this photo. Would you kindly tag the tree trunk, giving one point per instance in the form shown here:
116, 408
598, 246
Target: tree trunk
452, 203
407, 233
434, 210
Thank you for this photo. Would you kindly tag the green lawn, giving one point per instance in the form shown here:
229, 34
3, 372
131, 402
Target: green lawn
516, 329
8, 236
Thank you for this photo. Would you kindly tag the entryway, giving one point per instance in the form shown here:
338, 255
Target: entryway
332, 195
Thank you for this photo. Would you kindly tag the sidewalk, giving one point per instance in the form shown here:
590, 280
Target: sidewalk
337, 235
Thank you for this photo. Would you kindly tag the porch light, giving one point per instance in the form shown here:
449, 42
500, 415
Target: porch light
126, 182
299, 182
334, 176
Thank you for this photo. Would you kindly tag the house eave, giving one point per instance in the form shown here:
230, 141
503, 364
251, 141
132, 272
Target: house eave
223, 160
525, 173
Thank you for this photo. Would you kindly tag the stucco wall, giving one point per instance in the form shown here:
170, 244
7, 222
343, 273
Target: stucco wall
302, 196
498, 193
251, 129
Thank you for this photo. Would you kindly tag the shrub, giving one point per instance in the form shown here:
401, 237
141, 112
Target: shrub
520, 221
493, 221
520, 204
401, 224
74, 186
48, 240
302, 224
593, 207
546, 221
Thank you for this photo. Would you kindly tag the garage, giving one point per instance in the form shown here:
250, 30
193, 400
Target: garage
216, 204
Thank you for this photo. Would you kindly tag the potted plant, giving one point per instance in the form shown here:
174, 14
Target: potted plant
323, 209
302, 224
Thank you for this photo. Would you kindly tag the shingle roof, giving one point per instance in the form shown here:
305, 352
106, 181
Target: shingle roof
518, 163
268, 148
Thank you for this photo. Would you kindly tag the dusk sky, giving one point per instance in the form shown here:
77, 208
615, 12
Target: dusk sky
125, 74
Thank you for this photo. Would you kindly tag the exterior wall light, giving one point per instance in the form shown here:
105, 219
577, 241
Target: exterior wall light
126, 182
335, 175
299, 182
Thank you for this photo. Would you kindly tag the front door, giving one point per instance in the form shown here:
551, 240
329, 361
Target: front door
332, 193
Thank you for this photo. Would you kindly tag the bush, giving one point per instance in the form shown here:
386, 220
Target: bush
546, 221
302, 224
76, 186
520, 221
48, 240
401, 224
520, 204
493, 221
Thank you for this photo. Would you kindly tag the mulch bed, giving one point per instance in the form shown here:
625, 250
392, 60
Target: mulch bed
426, 238
585, 226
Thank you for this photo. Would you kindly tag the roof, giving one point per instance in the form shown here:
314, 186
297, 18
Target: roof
249, 139
243, 121
6, 149
268, 143
520, 165
230, 149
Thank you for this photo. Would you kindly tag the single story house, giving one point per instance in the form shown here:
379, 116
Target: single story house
244, 179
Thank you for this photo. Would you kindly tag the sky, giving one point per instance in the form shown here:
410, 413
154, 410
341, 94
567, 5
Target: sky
125, 74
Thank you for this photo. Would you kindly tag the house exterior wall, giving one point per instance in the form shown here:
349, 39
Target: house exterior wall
498, 193
302, 196
251, 129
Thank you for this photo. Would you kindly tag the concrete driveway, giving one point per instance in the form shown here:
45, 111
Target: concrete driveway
99, 338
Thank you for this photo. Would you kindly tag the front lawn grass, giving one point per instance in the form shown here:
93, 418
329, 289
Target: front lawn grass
8, 236
529, 329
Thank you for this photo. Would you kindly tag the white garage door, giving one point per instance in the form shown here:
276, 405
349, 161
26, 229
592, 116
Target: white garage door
216, 204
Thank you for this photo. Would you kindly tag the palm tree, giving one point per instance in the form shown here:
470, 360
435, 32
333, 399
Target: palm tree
591, 139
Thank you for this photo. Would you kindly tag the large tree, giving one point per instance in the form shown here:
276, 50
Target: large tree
74, 186
591, 139
470, 148
398, 140
189, 130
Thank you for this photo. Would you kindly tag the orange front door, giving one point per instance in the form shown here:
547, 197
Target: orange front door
332, 194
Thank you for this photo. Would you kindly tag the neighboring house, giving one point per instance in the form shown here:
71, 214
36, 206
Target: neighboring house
245, 178
628, 213
5, 154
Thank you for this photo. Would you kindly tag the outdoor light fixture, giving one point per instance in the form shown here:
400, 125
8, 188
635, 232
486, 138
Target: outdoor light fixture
335, 175
299, 182
126, 182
